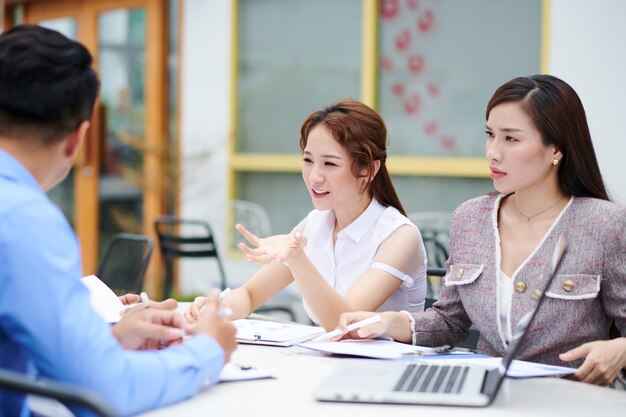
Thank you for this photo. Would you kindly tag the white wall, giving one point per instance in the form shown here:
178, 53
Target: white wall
588, 51
204, 97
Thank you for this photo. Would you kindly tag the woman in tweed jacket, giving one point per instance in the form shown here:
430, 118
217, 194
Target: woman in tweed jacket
548, 184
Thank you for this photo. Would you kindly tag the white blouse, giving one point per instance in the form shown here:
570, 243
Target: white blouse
355, 250
505, 295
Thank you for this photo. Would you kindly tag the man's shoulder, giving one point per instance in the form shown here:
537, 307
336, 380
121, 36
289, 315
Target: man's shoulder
23, 207
16, 195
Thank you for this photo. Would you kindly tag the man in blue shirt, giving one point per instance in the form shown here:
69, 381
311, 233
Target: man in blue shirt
47, 327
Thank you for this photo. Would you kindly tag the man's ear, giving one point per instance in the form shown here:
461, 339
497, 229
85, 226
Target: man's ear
75, 139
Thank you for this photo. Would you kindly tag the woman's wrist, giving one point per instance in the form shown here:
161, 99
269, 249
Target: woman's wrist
296, 257
622, 342
401, 326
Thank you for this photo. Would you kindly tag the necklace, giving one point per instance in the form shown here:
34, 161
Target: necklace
529, 218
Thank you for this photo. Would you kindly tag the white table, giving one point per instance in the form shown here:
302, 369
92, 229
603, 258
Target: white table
299, 371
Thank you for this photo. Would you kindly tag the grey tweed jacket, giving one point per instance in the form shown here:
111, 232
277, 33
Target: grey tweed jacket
586, 296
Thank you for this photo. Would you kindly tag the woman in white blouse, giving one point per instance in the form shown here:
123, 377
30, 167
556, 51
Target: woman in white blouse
356, 250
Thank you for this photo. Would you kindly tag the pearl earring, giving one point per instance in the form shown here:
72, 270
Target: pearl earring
555, 162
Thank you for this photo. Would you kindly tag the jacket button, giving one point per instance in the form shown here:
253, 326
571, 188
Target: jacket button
459, 273
536, 293
568, 285
520, 286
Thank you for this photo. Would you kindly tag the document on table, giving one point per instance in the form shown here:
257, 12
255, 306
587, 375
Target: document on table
232, 373
386, 349
103, 299
372, 348
519, 369
271, 333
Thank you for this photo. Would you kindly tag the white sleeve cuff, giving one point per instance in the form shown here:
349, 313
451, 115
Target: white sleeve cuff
411, 326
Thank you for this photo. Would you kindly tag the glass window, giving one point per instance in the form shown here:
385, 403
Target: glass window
121, 37
294, 57
63, 194
440, 61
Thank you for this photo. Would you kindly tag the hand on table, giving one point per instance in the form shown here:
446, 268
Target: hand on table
604, 359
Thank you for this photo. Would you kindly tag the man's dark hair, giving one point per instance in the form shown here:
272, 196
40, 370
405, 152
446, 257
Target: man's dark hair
47, 85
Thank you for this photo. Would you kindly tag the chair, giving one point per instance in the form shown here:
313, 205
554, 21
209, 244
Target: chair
472, 339
124, 262
434, 229
184, 238
56, 390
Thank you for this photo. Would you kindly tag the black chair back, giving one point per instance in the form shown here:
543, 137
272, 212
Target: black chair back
124, 262
66, 393
183, 238
436, 252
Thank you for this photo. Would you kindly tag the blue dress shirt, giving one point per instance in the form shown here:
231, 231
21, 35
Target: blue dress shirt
47, 326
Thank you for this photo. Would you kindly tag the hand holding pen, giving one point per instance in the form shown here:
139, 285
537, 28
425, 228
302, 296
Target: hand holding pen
133, 303
339, 332
365, 329
150, 325
197, 308
213, 323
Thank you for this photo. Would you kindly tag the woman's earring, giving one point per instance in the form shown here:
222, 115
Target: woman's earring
555, 162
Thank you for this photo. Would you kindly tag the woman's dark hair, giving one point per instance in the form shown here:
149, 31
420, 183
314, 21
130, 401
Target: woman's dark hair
559, 115
47, 85
363, 134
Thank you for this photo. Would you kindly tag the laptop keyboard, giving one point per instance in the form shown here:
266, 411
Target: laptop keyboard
432, 379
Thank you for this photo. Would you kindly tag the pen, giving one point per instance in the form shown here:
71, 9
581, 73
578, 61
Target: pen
430, 351
224, 312
145, 299
338, 332
225, 293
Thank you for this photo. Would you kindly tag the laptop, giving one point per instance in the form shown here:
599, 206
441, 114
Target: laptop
392, 382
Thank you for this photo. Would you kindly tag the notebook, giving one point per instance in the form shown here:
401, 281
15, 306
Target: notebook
429, 383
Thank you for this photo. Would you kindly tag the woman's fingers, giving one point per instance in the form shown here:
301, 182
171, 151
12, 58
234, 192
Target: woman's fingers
249, 236
193, 312
256, 255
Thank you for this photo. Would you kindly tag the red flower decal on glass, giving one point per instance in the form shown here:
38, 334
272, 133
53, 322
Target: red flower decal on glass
412, 104
389, 9
426, 21
403, 39
430, 128
433, 89
397, 89
416, 63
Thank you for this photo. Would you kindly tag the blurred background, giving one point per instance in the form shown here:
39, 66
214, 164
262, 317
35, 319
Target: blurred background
202, 100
